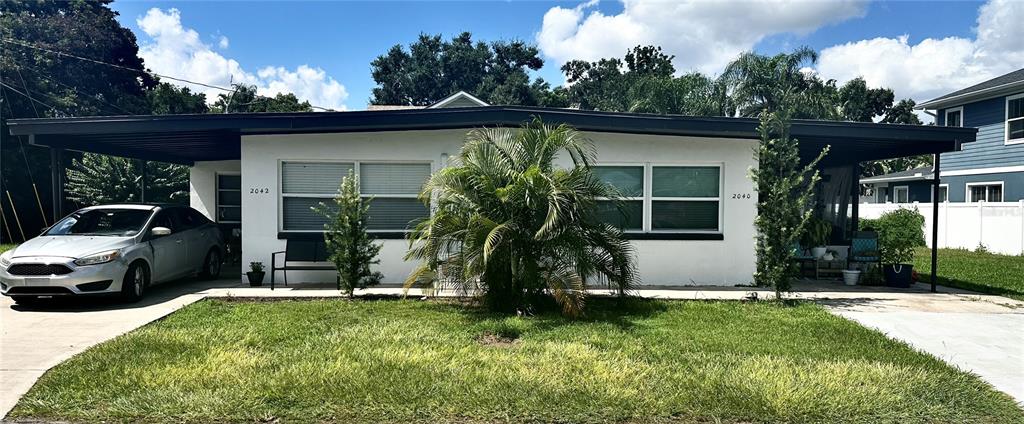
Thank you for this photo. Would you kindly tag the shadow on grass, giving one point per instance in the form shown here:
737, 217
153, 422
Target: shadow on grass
980, 288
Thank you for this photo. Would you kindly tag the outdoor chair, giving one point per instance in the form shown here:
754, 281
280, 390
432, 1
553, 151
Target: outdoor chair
864, 248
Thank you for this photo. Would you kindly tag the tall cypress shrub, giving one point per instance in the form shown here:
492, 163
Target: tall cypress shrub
349, 244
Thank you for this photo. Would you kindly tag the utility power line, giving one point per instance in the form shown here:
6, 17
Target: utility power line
98, 62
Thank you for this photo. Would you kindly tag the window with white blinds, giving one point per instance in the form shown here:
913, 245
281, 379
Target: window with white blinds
394, 188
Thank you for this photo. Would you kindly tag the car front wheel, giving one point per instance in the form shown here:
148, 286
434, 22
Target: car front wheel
135, 282
211, 266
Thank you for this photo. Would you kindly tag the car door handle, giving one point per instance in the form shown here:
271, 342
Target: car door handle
178, 241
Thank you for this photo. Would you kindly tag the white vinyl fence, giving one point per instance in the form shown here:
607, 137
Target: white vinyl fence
999, 226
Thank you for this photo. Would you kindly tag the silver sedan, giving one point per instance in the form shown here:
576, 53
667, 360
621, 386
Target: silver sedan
113, 250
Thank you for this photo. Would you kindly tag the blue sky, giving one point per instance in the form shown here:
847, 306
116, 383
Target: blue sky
338, 40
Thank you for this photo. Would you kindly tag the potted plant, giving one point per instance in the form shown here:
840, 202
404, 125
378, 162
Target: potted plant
816, 235
255, 274
899, 234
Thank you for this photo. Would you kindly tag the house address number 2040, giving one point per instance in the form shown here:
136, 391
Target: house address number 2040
259, 190
741, 195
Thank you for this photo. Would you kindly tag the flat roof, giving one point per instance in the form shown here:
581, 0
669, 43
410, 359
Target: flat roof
187, 139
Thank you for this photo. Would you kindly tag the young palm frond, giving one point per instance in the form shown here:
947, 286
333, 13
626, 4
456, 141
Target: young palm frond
512, 226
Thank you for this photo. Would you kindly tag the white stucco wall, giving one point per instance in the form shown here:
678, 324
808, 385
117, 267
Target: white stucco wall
202, 185
661, 262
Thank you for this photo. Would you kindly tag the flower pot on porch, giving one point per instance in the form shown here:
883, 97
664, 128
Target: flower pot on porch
818, 252
255, 278
899, 275
851, 276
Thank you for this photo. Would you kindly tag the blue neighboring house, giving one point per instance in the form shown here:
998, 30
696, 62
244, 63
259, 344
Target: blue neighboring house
990, 169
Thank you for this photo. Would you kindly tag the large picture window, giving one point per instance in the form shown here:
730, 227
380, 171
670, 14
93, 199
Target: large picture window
394, 187
665, 198
1015, 119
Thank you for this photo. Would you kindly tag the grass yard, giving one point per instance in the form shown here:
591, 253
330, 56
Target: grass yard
400, 361
983, 272
6, 247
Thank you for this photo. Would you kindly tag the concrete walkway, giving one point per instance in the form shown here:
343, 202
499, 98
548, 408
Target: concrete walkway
980, 333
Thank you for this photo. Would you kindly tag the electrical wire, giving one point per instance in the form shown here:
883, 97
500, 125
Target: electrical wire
60, 53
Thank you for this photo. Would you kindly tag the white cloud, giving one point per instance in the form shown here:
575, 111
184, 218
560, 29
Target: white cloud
179, 52
933, 67
703, 35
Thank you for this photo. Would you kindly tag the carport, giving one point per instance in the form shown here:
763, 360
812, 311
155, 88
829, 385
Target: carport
187, 139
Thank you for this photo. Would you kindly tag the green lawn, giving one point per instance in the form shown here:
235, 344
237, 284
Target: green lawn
6, 247
983, 272
401, 361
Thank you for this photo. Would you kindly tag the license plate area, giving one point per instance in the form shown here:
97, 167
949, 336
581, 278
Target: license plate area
37, 281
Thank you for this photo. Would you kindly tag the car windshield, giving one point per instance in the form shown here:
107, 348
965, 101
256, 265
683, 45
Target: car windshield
102, 222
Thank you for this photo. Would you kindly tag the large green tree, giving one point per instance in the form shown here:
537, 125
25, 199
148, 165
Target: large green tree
40, 83
432, 68
169, 99
643, 81
512, 226
243, 99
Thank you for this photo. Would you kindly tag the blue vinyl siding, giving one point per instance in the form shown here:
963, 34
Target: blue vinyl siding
990, 149
1013, 185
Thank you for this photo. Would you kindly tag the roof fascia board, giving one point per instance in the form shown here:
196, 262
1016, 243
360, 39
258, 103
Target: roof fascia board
974, 96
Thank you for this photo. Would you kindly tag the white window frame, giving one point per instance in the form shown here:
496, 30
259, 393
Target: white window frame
896, 197
941, 187
648, 195
216, 196
950, 110
967, 192
643, 192
355, 170
1006, 122
880, 195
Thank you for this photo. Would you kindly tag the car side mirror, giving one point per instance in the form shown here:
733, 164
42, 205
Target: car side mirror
160, 231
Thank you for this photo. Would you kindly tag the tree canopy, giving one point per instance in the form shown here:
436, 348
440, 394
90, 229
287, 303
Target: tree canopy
432, 68
244, 100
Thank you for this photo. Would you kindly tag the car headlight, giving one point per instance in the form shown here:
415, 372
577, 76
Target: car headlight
99, 258
5, 259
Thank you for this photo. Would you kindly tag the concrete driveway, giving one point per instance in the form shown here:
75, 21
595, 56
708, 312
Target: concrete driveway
980, 334
32, 340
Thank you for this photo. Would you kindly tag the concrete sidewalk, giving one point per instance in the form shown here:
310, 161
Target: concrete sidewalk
32, 340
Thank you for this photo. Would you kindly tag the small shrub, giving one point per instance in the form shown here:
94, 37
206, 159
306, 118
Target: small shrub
981, 249
899, 232
256, 266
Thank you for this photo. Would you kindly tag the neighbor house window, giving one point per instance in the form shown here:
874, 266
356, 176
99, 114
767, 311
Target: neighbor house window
955, 117
664, 198
393, 186
901, 194
943, 192
229, 198
880, 194
1015, 119
985, 192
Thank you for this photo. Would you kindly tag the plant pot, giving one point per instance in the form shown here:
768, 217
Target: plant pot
818, 252
851, 276
899, 275
255, 278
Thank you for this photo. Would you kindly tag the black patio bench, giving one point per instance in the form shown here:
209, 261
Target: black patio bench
312, 253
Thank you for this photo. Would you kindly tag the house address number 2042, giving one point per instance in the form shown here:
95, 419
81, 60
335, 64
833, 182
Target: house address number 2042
259, 190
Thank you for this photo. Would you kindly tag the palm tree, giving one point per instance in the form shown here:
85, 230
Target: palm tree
761, 82
511, 226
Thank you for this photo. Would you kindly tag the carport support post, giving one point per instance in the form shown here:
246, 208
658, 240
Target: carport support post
57, 182
142, 181
935, 221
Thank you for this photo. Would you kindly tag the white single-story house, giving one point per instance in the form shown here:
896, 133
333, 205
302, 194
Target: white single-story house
693, 201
